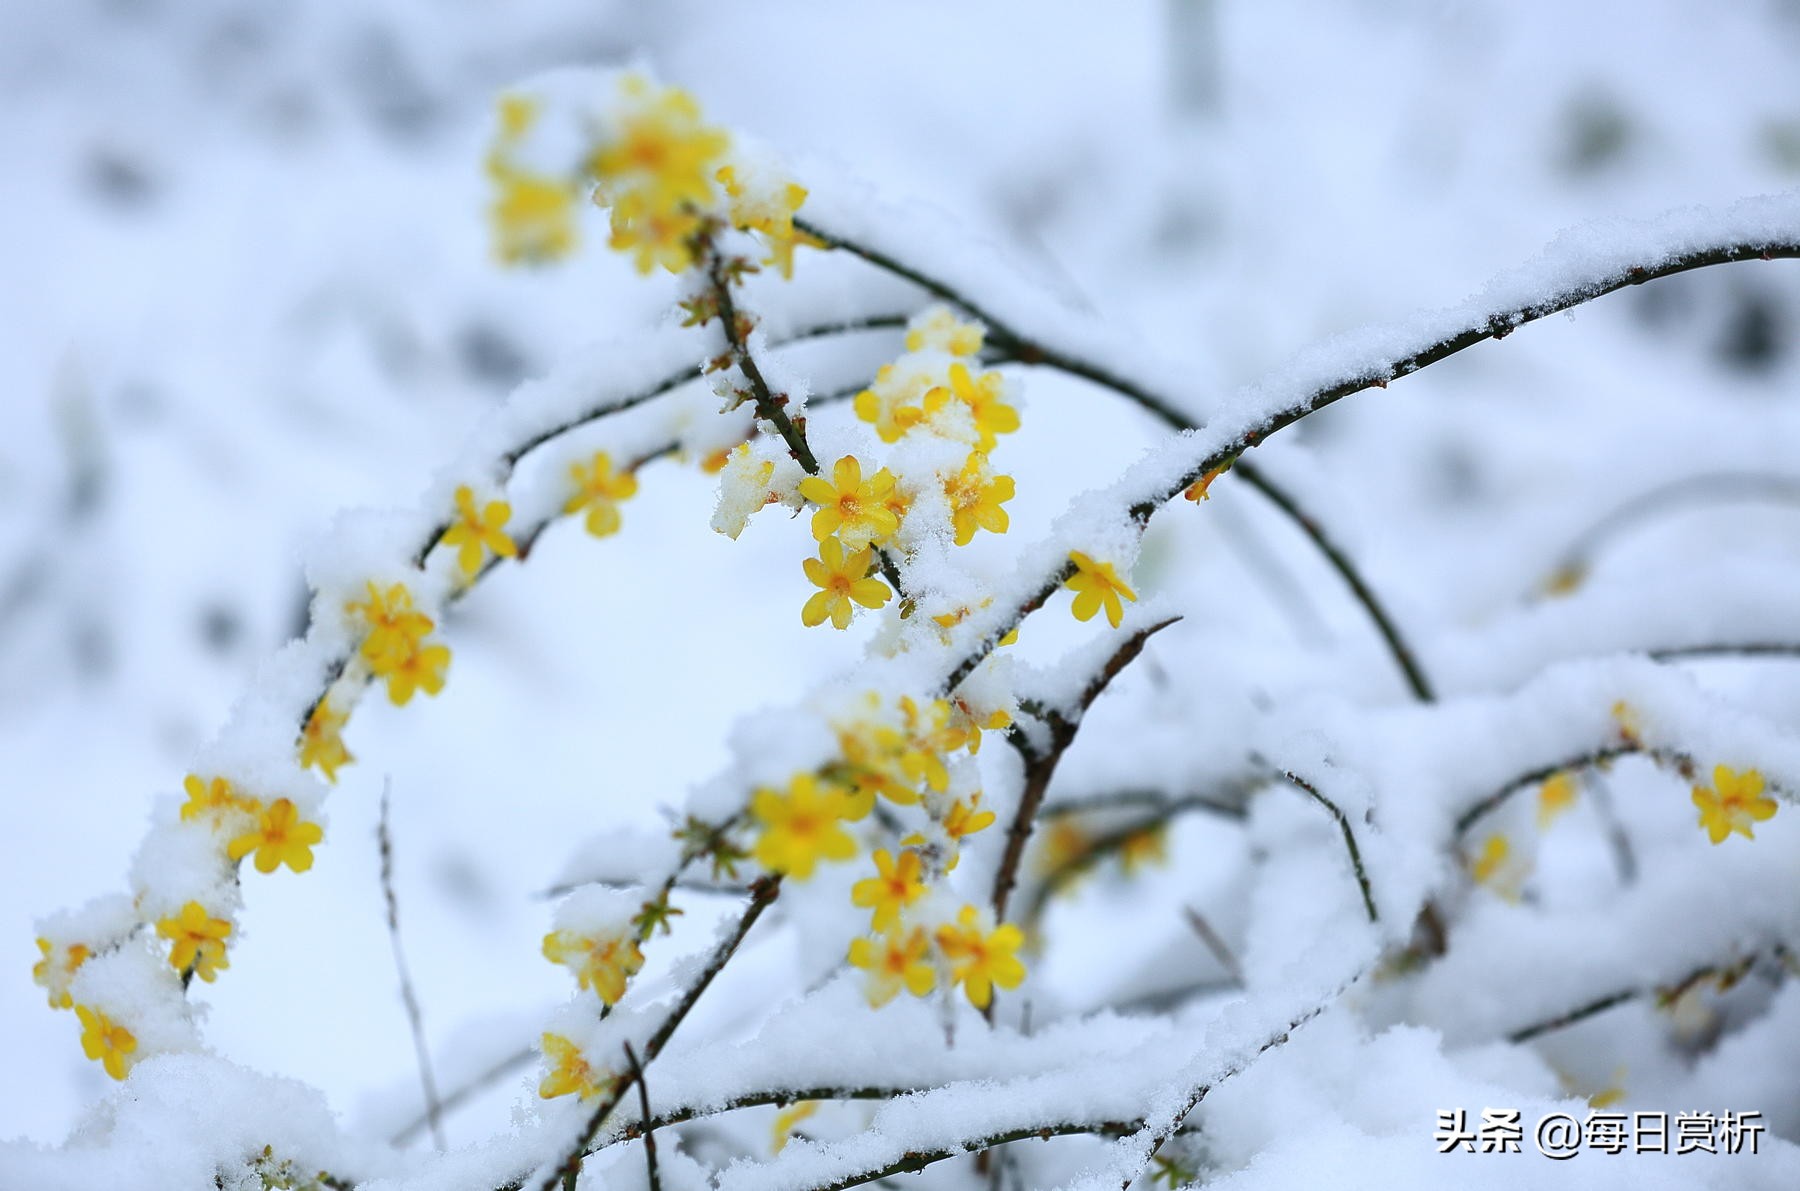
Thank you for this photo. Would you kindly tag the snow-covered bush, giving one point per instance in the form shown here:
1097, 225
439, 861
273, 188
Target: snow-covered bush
1419, 892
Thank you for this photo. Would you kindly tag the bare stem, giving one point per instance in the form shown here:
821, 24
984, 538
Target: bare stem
1356, 863
415, 1019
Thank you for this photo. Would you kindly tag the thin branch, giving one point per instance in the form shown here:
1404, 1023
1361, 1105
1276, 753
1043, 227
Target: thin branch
1495, 325
1537, 777
763, 894
1663, 993
1402, 653
1039, 770
1213, 942
649, 1130
415, 1019
1577, 558
466, 1091
1356, 863
1035, 352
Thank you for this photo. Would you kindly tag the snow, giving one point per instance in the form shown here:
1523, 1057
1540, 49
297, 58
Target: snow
259, 343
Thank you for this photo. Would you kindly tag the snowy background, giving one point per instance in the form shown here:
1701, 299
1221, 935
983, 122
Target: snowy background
246, 284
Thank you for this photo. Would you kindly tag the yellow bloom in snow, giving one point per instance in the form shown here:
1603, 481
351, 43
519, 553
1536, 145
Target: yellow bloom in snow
1487, 866
842, 578
1196, 491
1734, 802
601, 962
1097, 585
966, 818
769, 211
787, 1118
599, 489
533, 215
1556, 795
199, 940
891, 404
895, 887
213, 798
322, 743
984, 396
950, 620
1143, 848
476, 531
931, 735
850, 507
656, 172
569, 1070
801, 827
1063, 845
896, 960
105, 1041
53, 974
280, 837
980, 959
975, 496
422, 669
940, 328
395, 627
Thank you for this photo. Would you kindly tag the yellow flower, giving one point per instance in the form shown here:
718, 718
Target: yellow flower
849, 507
474, 532
980, 959
983, 396
53, 976
975, 499
966, 818
1146, 847
569, 1070
801, 827
280, 837
1062, 846
1488, 865
599, 489
1733, 803
533, 216
895, 961
769, 210
106, 1041
199, 940
1196, 491
422, 669
656, 173
841, 578
941, 329
322, 743
395, 627
930, 736
1556, 795
1097, 585
891, 404
787, 1118
600, 962
213, 799
896, 886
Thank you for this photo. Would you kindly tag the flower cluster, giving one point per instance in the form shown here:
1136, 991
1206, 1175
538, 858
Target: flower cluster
396, 645
1734, 802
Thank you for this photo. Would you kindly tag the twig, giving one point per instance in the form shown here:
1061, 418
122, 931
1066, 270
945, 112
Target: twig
415, 1019
1213, 943
763, 894
1039, 770
1577, 557
1356, 863
1495, 325
1034, 352
1664, 993
465, 1091
643, 1091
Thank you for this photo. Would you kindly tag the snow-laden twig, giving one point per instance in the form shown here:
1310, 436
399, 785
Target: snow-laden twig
1042, 351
